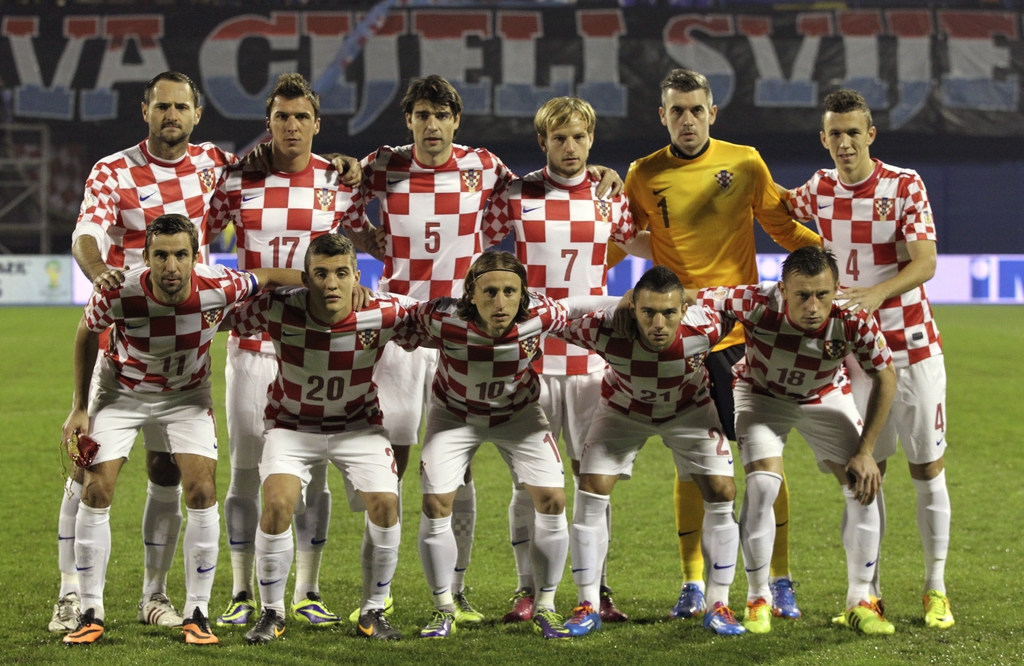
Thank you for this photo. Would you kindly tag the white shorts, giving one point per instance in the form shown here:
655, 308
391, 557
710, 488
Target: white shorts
364, 457
247, 375
694, 436
525, 442
154, 438
569, 402
832, 427
184, 418
403, 382
918, 415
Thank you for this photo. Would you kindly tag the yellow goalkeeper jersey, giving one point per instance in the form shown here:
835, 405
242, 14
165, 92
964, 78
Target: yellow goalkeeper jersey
701, 211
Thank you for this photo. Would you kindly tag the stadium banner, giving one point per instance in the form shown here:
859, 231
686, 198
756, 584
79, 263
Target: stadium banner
946, 71
37, 279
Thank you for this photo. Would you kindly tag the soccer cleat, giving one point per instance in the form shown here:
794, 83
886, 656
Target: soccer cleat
66, 613
269, 627
159, 610
239, 612
464, 611
389, 608
758, 617
89, 630
784, 600
584, 620
441, 625
522, 607
867, 618
609, 613
549, 624
722, 621
840, 620
197, 630
937, 612
374, 624
312, 610
691, 602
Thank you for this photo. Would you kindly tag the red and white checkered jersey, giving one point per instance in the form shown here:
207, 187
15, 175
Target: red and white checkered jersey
432, 215
868, 226
786, 361
324, 379
562, 233
647, 385
276, 216
160, 347
128, 190
484, 380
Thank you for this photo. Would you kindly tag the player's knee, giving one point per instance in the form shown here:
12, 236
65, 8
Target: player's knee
549, 501
200, 493
927, 471
438, 506
277, 513
97, 493
719, 489
161, 469
382, 508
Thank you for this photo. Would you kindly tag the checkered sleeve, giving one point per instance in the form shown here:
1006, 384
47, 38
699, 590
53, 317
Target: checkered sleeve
99, 203
743, 303
801, 200
918, 223
351, 214
623, 228
220, 216
869, 344
585, 331
250, 317
100, 311
240, 285
497, 222
552, 313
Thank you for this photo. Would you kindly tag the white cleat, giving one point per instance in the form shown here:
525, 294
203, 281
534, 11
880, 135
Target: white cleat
66, 613
160, 611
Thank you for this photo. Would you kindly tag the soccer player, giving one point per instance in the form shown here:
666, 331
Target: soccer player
276, 215
792, 376
486, 390
322, 406
562, 231
125, 192
432, 193
698, 197
156, 373
878, 221
656, 384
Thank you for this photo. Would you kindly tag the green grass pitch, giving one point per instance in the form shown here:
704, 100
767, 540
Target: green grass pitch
983, 357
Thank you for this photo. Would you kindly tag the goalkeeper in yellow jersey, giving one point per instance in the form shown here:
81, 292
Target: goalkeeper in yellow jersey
698, 197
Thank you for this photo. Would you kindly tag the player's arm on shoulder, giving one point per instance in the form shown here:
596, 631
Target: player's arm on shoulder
271, 278
86, 252
773, 214
923, 258
610, 184
577, 307
350, 171
371, 240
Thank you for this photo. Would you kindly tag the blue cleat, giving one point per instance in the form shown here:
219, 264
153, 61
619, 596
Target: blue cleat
584, 620
722, 621
784, 599
313, 611
441, 625
549, 624
691, 602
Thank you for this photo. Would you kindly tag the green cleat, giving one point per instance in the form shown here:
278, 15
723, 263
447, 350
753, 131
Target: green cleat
549, 624
866, 618
937, 611
758, 617
312, 610
464, 612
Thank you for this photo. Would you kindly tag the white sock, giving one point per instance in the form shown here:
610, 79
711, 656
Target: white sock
202, 545
933, 513
549, 549
66, 537
311, 534
241, 519
92, 552
720, 543
608, 531
757, 531
274, 554
161, 526
438, 553
520, 528
875, 588
588, 539
860, 539
463, 525
384, 560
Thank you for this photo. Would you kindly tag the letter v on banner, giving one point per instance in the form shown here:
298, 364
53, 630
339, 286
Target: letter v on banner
33, 99
772, 88
145, 30
693, 54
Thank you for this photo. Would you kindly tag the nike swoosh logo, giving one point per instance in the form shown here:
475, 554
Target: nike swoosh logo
130, 327
436, 594
579, 570
778, 525
824, 207
450, 348
516, 543
730, 461
78, 568
458, 570
530, 210
368, 631
939, 443
60, 538
727, 566
757, 569
146, 197
397, 180
232, 542
269, 582
682, 534
657, 192
206, 569
760, 332
871, 563
255, 196
548, 589
389, 582
289, 335
317, 542
150, 543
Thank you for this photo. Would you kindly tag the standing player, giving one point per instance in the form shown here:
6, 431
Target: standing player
562, 230
878, 221
276, 214
792, 376
698, 197
322, 406
432, 195
656, 384
486, 390
125, 192
155, 372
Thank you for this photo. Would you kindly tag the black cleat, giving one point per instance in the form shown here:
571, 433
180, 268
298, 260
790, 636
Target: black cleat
373, 624
269, 627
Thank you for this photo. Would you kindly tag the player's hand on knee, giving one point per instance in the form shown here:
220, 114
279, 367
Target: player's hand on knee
865, 479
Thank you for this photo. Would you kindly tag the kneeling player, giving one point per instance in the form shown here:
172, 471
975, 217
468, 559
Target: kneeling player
792, 376
655, 384
323, 407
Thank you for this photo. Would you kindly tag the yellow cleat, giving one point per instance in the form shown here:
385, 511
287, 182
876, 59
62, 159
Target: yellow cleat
840, 619
758, 617
866, 618
937, 612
